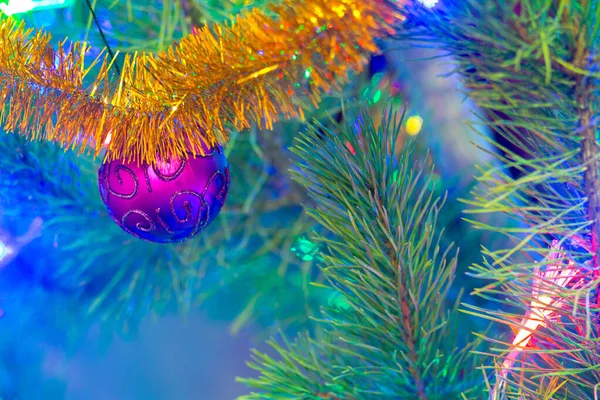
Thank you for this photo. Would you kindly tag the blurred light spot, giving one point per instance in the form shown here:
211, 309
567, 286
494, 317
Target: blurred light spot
428, 3
24, 6
377, 96
5, 251
108, 138
339, 301
350, 148
414, 125
305, 249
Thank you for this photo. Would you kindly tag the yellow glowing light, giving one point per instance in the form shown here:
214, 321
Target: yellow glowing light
414, 125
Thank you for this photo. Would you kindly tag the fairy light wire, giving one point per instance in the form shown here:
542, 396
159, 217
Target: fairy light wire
101, 32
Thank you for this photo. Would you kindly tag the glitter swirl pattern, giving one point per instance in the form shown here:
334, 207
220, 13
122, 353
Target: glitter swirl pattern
175, 201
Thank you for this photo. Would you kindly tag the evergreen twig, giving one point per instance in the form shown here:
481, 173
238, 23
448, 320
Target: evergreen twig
396, 337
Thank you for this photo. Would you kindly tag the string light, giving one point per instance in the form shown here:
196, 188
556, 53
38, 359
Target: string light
10, 246
545, 300
3, 250
339, 301
24, 6
305, 249
414, 125
6, 254
429, 3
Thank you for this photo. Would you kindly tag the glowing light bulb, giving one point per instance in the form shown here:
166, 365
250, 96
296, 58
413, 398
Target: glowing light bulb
23, 6
546, 299
5, 252
428, 3
414, 125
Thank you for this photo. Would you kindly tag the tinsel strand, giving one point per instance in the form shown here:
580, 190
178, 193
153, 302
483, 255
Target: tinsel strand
252, 69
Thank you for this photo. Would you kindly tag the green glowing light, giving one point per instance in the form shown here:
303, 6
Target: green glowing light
339, 301
305, 249
12, 7
377, 96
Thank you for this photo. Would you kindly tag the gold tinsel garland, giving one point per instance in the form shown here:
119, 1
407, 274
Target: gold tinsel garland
250, 69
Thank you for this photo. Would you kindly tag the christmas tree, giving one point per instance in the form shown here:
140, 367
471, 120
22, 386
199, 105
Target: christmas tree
365, 285
531, 67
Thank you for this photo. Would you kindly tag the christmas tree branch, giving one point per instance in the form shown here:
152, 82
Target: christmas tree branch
383, 255
537, 82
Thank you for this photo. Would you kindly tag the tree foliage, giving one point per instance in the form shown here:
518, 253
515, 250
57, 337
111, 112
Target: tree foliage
396, 336
531, 66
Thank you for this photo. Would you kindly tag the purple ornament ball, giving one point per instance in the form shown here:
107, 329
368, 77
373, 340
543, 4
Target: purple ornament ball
165, 202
